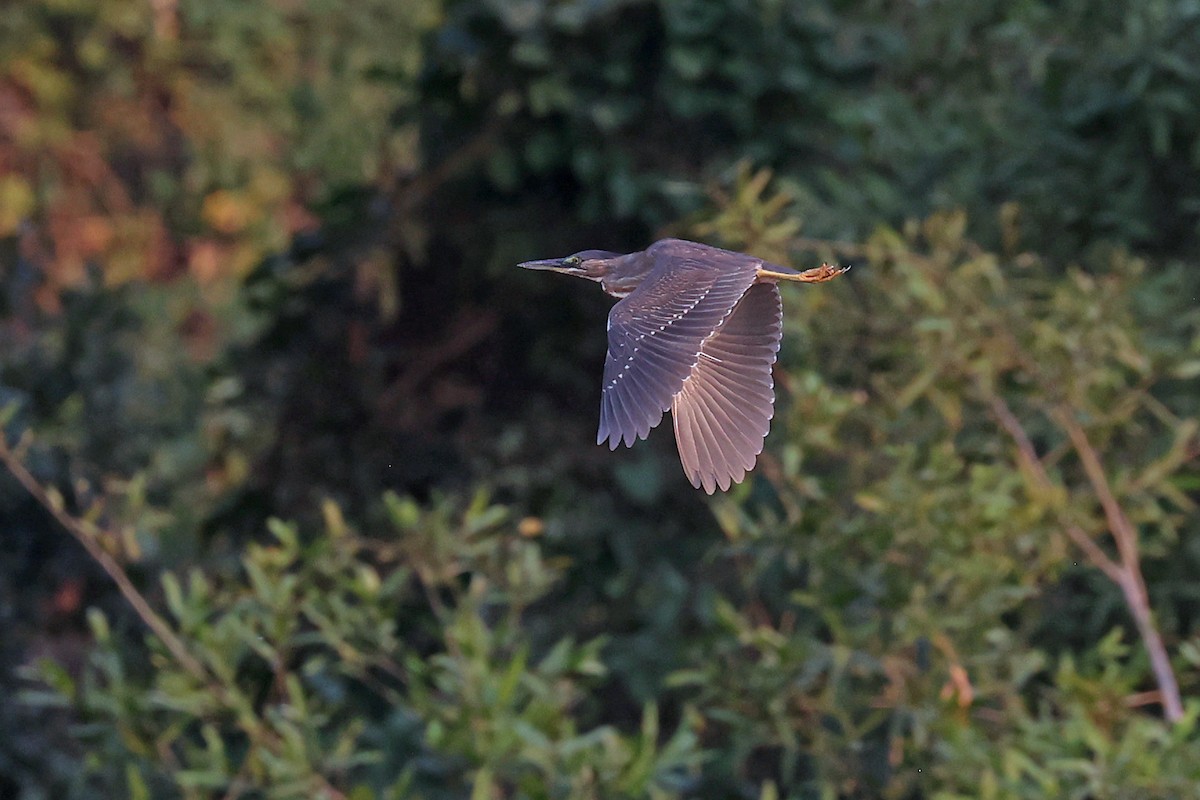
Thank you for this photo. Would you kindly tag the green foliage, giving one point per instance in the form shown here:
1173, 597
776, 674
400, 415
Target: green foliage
879, 620
392, 666
1078, 111
916, 544
236, 285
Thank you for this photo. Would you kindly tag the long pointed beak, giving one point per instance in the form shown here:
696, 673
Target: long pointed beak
551, 264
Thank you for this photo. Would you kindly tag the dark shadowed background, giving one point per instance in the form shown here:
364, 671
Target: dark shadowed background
309, 503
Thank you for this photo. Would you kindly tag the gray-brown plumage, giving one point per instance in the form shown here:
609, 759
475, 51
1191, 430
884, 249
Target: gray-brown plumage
696, 331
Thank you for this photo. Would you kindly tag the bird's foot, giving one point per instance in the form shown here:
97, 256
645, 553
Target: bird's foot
816, 275
825, 272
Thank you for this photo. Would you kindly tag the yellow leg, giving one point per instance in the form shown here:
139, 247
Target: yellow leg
820, 274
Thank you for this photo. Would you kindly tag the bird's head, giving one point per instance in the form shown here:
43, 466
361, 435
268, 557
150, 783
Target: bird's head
591, 264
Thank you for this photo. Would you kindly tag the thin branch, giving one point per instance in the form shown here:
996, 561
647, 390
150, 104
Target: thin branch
1132, 583
466, 332
1127, 573
1029, 457
254, 728
473, 151
1123, 530
1134, 589
1092, 551
1025, 447
115, 572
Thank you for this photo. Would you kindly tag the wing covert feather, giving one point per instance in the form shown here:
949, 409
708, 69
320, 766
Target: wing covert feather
654, 339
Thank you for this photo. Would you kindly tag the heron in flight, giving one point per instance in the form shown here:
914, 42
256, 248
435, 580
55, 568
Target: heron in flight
696, 331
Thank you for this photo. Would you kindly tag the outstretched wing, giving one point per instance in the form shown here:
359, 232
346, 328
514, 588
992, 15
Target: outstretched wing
723, 411
655, 334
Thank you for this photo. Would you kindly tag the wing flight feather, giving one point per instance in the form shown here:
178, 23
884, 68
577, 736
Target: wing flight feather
723, 410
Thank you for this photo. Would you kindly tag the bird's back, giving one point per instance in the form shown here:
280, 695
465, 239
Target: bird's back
670, 254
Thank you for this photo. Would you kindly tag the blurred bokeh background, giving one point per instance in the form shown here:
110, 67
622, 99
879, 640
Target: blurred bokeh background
267, 366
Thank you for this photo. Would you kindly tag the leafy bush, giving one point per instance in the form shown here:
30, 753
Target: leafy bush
1076, 111
389, 666
879, 619
239, 290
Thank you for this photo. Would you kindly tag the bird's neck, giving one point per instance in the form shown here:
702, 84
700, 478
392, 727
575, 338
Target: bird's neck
625, 273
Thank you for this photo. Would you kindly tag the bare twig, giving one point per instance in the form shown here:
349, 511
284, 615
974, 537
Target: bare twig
467, 331
474, 150
1033, 464
1125, 573
1122, 529
1132, 583
1092, 551
115, 572
254, 728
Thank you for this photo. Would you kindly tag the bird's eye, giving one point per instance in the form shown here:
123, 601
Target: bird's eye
572, 261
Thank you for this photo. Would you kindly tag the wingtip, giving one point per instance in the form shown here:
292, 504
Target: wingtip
610, 436
706, 482
607, 436
712, 482
615, 439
